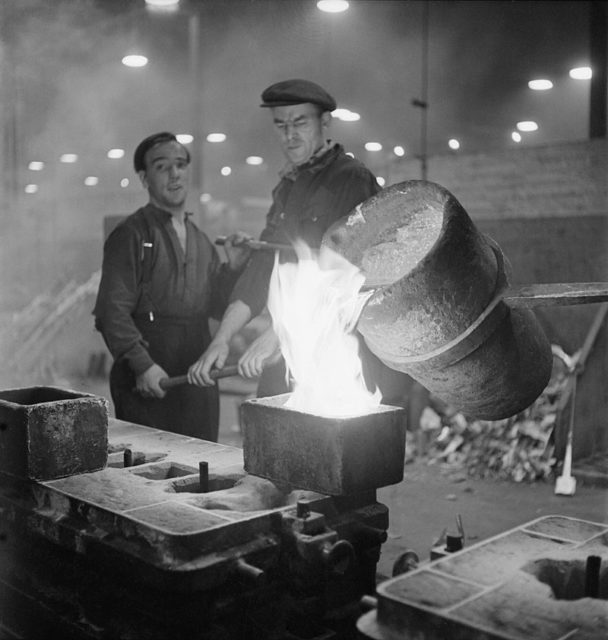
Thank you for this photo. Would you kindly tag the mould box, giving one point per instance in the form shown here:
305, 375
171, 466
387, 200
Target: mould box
49, 432
335, 456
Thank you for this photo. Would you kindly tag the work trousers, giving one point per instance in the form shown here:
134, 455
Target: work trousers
173, 344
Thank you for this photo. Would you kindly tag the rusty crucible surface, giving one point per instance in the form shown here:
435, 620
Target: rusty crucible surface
335, 456
437, 312
48, 432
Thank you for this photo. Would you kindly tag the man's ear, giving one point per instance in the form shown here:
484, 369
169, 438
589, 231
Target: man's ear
326, 118
142, 177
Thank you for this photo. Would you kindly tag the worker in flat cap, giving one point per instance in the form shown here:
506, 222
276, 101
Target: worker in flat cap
161, 281
319, 184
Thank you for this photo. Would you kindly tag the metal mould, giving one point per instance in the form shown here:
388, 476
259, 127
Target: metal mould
526, 583
335, 456
48, 432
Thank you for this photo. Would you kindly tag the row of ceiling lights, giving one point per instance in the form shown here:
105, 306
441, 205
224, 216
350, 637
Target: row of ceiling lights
339, 6
345, 115
539, 84
329, 6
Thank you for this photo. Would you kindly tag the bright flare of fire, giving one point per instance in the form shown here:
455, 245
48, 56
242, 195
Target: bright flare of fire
315, 304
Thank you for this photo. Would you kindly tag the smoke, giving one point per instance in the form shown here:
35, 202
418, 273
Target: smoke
67, 91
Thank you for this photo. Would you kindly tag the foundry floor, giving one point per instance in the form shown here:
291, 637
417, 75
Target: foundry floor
430, 497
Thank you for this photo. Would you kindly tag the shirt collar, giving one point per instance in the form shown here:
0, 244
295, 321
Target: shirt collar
163, 215
316, 162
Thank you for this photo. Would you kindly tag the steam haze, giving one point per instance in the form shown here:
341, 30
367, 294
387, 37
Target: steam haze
65, 90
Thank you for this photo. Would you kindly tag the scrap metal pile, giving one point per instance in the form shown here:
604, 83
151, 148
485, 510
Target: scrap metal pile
519, 448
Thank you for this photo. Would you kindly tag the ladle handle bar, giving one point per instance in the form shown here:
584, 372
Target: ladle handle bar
226, 372
259, 244
558, 293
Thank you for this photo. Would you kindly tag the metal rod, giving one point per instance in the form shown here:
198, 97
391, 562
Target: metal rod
226, 372
258, 244
203, 476
559, 293
592, 576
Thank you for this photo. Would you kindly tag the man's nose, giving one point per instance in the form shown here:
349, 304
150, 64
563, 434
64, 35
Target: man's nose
291, 131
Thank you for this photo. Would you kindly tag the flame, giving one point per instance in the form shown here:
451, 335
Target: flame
315, 304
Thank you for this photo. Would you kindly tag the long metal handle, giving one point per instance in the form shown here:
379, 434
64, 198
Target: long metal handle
554, 294
175, 381
259, 244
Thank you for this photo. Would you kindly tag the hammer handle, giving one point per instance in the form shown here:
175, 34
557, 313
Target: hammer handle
258, 244
226, 372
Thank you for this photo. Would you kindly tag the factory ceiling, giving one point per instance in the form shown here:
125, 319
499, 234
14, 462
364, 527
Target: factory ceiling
208, 62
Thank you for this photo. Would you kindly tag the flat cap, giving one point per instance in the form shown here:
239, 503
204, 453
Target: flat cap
296, 91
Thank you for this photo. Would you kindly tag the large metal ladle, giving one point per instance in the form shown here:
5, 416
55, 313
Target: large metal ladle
442, 309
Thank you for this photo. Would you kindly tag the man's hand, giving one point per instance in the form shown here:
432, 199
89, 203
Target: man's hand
237, 250
213, 358
236, 317
262, 351
147, 383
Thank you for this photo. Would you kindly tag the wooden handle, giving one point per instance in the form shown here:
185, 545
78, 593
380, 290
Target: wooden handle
226, 372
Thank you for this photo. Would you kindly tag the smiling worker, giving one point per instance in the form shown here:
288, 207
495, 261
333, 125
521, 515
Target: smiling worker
161, 281
319, 184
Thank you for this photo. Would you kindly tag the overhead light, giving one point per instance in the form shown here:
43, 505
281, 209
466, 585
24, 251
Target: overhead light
373, 146
254, 160
135, 60
68, 158
167, 5
516, 136
225, 171
542, 84
115, 154
381, 181
346, 115
91, 181
31, 188
35, 165
581, 73
527, 125
332, 6
399, 151
453, 144
184, 138
124, 183
205, 197
216, 137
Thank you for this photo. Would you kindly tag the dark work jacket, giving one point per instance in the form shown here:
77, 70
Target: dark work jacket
303, 207
153, 306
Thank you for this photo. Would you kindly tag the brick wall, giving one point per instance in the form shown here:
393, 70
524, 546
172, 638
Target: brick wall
545, 181
547, 207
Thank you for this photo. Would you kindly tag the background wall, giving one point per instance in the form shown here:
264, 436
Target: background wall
547, 207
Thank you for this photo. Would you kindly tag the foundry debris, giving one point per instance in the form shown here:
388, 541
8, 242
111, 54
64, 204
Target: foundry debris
519, 448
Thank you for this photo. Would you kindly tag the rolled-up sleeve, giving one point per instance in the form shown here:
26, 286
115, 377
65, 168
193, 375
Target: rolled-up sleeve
117, 299
222, 284
252, 287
